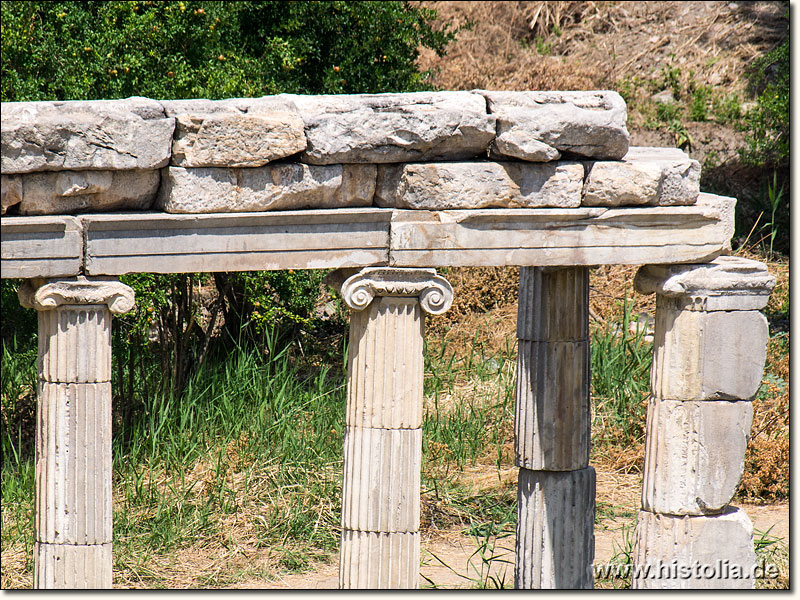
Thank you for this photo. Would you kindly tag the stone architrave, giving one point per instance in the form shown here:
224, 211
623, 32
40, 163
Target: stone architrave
552, 421
389, 128
539, 126
73, 505
708, 356
383, 439
644, 176
130, 134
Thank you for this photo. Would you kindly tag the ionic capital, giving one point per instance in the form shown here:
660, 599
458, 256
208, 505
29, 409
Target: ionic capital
49, 294
434, 292
726, 283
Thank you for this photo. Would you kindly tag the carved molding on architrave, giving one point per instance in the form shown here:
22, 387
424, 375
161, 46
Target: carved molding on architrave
46, 295
434, 292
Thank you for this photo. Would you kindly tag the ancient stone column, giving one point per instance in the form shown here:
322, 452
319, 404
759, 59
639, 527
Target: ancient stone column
708, 358
73, 508
383, 439
552, 425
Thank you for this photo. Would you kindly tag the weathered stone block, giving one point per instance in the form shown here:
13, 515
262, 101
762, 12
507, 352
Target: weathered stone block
701, 355
535, 126
67, 192
41, 246
73, 464
553, 304
443, 186
386, 365
70, 567
381, 479
726, 283
694, 455
708, 552
77, 135
10, 191
372, 560
273, 187
234, 133
644, 176
386, 128
555, 529
552, 419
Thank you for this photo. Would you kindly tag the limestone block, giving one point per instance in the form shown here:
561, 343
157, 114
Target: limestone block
535, 126
553, 304
66, 192
555, 529
381, 479
552, 420
73, 464
386, 128
385, 365
694, 455
77, 135
453, 185
702, 355
75, 344
69, 567
726, 283
10, 191
372, 560
644, 176
708, 552
239, 132
273, 187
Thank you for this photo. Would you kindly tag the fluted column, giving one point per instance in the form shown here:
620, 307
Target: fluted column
708, 358
73, 507
383, 438
552, 424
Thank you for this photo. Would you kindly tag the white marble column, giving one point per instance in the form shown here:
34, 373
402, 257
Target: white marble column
73, 508
383, 439
708, 359
552, 425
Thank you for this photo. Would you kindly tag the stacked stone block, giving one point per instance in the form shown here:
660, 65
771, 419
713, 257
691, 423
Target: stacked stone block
73, 507
709, 353
383, 439
552, 424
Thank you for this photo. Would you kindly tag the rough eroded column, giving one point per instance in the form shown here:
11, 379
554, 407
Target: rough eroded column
708, 358
552, 424
73, 507
383, 438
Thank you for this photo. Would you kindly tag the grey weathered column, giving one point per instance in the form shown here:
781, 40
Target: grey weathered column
383, 439
552, 425
708, 358
73, 508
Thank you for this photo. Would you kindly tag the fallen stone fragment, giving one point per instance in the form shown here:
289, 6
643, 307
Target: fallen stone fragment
66, 192
78, 135
442, 186
281, 186
389, 128
645, 176
537, 126
234, 133
694, 455
708, 552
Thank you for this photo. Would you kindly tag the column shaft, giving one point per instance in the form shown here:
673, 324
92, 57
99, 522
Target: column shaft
552, 424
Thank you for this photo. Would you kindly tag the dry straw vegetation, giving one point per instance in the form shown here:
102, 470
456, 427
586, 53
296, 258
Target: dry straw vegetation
236, 481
